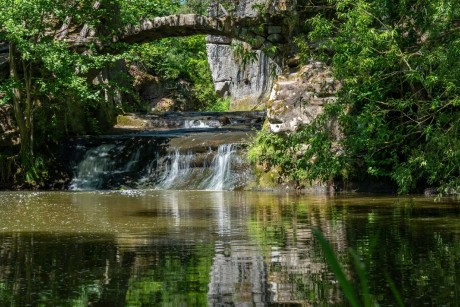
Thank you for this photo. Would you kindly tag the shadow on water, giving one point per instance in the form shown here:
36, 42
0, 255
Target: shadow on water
196, 248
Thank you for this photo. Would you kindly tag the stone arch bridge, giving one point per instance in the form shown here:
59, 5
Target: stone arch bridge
254, 30
259, 28
265, 26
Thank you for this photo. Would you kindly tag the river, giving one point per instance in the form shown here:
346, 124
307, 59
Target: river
199, 248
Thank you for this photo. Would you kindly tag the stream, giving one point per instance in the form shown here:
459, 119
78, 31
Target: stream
219, 248
158, 216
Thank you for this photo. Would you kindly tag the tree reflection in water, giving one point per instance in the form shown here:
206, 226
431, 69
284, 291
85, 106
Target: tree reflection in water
176, 248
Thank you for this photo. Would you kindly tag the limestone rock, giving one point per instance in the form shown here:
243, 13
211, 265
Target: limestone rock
247, 86
248, 8
299, 97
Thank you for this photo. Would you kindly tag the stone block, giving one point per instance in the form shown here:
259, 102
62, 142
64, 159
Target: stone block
220, 40
275, 38
274, 29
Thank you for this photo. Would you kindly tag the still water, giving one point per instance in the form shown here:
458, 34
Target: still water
195, 248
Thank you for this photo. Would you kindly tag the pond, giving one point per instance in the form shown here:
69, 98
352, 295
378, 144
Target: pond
199, 248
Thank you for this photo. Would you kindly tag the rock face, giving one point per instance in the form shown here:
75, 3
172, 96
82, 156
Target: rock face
299, 97
247, 86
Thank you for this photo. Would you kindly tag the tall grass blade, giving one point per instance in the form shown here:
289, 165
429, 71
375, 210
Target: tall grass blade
394, 291
336, 268
367, 300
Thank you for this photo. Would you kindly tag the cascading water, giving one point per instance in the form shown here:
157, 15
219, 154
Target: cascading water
112, 164
177, 171
206, 171
92, 170
222, 177
202, 155
109, 166
201, 124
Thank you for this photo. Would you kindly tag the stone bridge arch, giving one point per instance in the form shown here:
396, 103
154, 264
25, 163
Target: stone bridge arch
252, 30
246, 85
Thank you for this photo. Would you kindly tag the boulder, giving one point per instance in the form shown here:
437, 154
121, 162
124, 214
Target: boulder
299, 96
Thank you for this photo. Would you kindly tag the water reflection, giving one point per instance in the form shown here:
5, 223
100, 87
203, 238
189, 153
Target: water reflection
150, 248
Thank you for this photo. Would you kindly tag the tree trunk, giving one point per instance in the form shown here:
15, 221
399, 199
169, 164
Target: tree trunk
22, 105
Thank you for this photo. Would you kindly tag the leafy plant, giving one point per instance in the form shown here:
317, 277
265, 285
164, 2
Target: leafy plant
399, 105
221, 105
244, 53
400, 85
175, 60
311, 154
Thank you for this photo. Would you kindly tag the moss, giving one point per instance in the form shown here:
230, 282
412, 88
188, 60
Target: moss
267, 178
247, 104
130, 121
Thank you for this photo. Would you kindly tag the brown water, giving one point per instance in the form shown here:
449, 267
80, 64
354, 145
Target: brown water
195, 248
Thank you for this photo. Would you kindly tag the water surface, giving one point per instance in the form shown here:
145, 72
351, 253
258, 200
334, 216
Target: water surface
198, 248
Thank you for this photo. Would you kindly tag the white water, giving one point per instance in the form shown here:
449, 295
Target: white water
201, 124
221, 177
109, 166
177, 171
95, 165
217, 175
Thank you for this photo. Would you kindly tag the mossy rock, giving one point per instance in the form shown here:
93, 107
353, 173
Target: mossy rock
130, 121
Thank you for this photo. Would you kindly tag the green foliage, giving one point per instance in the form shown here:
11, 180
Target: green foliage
244, 54
50, 83
398, 108
400, 73
51, 86
134, 10
195, 6
221, 105
310, 154
176, 60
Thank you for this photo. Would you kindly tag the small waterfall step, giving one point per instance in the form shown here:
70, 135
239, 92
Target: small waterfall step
191, 120
221, 170
203, 150
112, 166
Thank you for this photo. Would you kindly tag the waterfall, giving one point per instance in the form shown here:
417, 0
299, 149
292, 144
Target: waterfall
177, 171
95, 166
107, 166
201, 124
222, 177
210, 171
133, 164
177, 151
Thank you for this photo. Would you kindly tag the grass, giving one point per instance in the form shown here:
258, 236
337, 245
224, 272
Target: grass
364, 297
